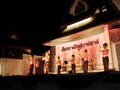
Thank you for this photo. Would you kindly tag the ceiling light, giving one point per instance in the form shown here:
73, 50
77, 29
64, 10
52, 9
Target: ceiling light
78, 24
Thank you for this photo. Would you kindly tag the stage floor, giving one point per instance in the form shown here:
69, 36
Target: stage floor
78, 71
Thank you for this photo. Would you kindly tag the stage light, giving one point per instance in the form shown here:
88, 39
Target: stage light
78, 24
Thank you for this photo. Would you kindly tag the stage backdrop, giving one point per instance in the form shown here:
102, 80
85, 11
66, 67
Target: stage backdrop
91, 43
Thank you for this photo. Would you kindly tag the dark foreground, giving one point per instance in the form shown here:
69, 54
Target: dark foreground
92, 81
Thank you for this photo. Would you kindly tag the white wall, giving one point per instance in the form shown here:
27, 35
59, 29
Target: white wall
9, 67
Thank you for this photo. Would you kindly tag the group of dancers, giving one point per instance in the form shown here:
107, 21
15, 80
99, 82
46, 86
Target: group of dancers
32, 62
85, 60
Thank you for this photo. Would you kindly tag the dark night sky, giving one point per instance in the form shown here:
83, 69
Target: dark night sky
37, 22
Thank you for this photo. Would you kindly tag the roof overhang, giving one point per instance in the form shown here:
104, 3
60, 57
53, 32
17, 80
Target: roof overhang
76, 36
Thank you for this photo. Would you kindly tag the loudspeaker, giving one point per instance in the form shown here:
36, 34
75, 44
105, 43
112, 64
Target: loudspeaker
70, 72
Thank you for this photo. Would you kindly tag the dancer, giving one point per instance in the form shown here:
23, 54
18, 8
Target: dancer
58, 64
46, 63
30, 63
105, 57
73, 67
85, 61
